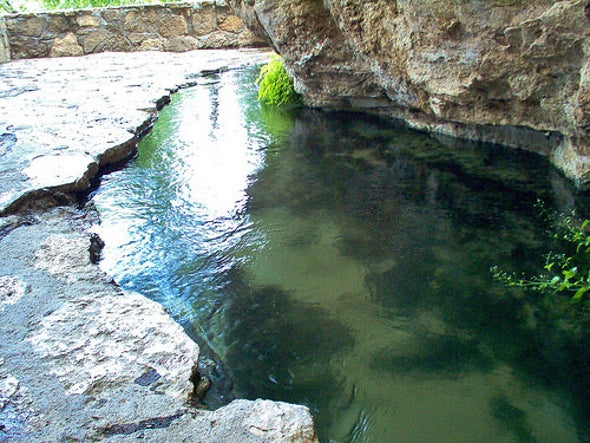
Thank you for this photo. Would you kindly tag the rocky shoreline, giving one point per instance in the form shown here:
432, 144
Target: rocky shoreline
83, 360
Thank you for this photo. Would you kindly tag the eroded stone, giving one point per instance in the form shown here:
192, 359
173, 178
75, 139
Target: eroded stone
67, 46
11, 290
51, 171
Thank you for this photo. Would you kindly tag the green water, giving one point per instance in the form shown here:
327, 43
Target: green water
335, 260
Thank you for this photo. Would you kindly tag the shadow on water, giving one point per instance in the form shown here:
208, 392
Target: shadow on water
282, 334
335, 260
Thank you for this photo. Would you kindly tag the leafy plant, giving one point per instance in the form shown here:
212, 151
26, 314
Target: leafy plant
6, 6
567, 271
275, 85
83, 4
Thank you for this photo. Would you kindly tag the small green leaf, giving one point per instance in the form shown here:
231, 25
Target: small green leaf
569, 274
580, 293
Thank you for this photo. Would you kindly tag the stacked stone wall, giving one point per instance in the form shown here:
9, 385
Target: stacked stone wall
4, 46
174, 27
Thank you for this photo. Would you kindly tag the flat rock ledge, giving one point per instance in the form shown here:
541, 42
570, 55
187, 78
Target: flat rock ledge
81, 359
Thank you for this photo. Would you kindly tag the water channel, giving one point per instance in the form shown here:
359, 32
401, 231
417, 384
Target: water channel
338, 261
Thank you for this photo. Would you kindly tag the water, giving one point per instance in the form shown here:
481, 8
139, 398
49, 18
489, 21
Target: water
336, 261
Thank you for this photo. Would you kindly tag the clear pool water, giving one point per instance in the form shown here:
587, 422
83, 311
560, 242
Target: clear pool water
338, 261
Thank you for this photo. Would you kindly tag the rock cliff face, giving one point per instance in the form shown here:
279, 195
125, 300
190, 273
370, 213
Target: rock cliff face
505, 71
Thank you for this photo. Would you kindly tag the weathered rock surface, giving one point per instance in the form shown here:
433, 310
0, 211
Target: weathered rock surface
82, 360
4, 46
61, 120
506, 71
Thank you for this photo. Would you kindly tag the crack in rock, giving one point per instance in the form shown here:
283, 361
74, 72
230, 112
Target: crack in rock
152, 423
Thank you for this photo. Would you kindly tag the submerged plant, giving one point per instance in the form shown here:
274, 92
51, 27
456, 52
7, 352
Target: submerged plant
275, 85
567, 270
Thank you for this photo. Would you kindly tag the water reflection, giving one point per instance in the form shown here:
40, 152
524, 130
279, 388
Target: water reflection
338, 262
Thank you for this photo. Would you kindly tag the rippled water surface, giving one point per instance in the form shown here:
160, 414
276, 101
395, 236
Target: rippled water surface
336, 261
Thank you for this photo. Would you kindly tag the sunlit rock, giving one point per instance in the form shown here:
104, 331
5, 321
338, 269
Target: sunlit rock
67, 46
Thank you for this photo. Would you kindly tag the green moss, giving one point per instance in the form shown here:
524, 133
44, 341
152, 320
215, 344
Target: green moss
275, 85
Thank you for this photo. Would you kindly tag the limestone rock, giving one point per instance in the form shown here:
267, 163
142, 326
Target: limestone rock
56, 170
67, 46
181, 43
204, 23
11, 290
18, 414
33, 26
152, 44
493, 71
57, 24
257, 421
242, 421
217, 40
87, 20
124, 338
95, 41
231, 24
4, 45
134, 22
172, 26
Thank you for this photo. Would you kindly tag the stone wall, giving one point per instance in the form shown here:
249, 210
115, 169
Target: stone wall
174, 27
4, 46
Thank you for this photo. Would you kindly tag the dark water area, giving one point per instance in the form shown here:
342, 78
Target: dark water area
341, 262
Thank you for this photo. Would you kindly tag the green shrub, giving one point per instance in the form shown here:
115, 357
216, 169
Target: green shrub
275, 85
6, 6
